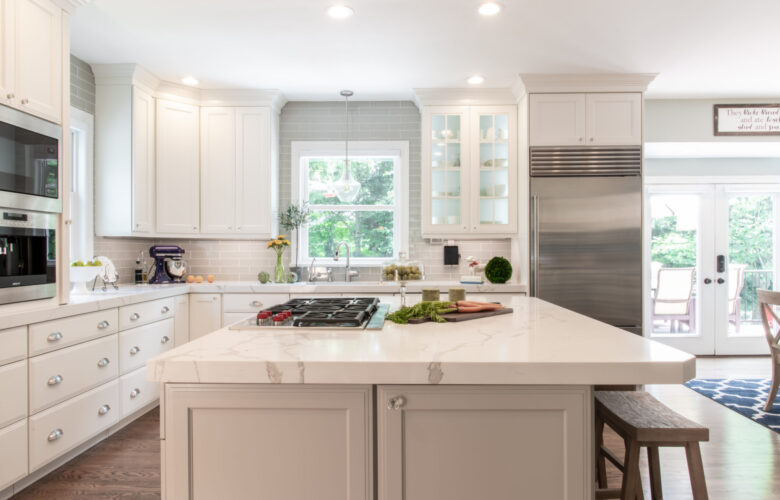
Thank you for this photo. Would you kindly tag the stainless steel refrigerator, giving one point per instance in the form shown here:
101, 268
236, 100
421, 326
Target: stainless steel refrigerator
586, 231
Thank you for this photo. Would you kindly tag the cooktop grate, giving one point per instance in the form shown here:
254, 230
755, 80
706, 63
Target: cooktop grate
335, 311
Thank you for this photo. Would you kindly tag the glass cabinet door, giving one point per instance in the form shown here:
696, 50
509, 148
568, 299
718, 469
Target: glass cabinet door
494, 169
448, 159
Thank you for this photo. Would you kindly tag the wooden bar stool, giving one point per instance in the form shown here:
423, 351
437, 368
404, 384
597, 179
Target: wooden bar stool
641, 420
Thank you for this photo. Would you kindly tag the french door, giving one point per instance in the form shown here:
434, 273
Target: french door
708, 248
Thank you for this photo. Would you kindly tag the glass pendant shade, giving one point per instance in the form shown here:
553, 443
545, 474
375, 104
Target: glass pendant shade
346, 188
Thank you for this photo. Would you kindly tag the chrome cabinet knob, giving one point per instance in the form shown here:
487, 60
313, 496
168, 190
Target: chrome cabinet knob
25, 101
134, 393
591, 139
165, 309
580, 139
54, 380
9, 96
55, 435
396, 403
165, 339
104, 409
54, 337
103, 325
134, 350
256, 303
135, 317
103, 362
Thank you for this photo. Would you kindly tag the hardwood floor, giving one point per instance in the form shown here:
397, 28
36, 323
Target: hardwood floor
741, 460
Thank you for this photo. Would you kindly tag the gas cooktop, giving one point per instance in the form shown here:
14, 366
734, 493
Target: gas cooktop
349, 313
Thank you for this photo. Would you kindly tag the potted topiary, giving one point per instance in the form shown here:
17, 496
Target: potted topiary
292, 219
498, 270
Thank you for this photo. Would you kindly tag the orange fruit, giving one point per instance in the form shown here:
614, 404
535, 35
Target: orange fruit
190, 278
199, 279
210, 278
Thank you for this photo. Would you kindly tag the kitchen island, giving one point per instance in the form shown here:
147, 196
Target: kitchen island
480, 409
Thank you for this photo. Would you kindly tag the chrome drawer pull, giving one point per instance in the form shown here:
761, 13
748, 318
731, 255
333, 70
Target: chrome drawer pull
103, 362
134, 316
104, 409
396, 403
134, 393
55, 435
256, 303
165, 309
54, 337
103, 325
165, 339
25, 101
134, 350
56, 379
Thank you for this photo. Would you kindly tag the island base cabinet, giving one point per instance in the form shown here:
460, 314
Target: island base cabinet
268, 442
467, 442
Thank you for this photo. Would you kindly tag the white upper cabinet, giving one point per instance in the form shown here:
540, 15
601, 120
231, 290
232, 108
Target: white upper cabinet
31, 52
557, 119
614, 119
236, 177
218, 169
255, 175
143, 159
469, 171
178, 161
596, 119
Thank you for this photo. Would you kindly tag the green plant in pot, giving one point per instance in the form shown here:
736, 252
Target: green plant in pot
291, 219
498, 270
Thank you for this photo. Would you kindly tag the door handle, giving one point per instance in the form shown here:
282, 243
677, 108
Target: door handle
707, 281
721, 264
721, 281
535, 243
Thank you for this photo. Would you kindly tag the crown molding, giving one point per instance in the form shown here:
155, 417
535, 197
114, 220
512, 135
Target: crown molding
133, 74
595, 82
463, 96
70, 6
518, 89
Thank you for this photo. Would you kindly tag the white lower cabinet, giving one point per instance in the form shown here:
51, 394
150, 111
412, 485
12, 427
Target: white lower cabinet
13, 453
56, 334
181, 320
13, 392
238, 306
13, 344
58, 375
135, 391
65, 426
145, 313
205, 314
230, 318
467, 442
138, 345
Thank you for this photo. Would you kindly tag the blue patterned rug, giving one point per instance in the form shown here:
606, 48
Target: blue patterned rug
746, 396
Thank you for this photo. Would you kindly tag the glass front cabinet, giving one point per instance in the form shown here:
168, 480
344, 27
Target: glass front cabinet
469, 171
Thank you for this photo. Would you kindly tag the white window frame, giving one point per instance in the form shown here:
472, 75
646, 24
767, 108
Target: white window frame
82, 205
395, 149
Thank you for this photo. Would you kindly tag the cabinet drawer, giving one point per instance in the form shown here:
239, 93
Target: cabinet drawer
59, 375
135, 391
13, 388
137, 345
13, 453
13, 344
61, 428
251, 302
59, 333
230, 318
145, 313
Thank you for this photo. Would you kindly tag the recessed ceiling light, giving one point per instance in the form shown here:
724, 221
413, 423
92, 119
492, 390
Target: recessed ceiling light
340, 11
489, 8
189, 80
476, 80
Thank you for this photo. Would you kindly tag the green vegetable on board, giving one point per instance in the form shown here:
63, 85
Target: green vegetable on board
432, 310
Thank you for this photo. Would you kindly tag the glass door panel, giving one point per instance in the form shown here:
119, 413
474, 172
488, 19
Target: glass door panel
493, 168
446, 162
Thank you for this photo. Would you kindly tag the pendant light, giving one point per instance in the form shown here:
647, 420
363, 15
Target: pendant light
346, 188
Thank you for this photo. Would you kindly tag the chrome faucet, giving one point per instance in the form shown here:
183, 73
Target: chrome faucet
336, 259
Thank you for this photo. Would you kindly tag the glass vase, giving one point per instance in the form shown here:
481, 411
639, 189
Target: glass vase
280, 276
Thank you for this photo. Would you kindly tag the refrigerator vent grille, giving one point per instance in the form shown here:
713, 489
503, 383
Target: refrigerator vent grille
596, 161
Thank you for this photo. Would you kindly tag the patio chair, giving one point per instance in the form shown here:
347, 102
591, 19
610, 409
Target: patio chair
654, 268
736, 282
766, 300
673, 298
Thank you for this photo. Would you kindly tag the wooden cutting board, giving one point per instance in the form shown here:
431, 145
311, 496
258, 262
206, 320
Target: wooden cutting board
455, 317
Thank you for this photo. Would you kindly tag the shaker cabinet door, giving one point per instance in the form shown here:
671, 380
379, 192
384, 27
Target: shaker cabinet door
614, 119
557, 119
143, 162
217, 169
254, 179
178, 168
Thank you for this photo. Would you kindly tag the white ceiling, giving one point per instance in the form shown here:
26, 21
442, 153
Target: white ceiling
701, 48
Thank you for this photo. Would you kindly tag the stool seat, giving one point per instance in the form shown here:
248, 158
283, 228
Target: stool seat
641, 420
645, 419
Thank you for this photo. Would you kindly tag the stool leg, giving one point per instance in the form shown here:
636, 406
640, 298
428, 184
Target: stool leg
632, 482
654, 463
696, 471
601, 462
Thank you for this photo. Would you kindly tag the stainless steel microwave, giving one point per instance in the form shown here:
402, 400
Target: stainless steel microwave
28, 258
29, 162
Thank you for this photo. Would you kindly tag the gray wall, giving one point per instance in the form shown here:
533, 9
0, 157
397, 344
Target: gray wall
82, 85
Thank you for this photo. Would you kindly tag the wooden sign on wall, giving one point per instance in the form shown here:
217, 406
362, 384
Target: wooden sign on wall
747, 119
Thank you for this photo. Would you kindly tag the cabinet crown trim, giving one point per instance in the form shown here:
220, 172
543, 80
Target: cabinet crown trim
596, 82
463, 97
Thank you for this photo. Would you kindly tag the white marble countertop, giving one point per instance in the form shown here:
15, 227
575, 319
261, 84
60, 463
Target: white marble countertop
24, 313
539, 343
